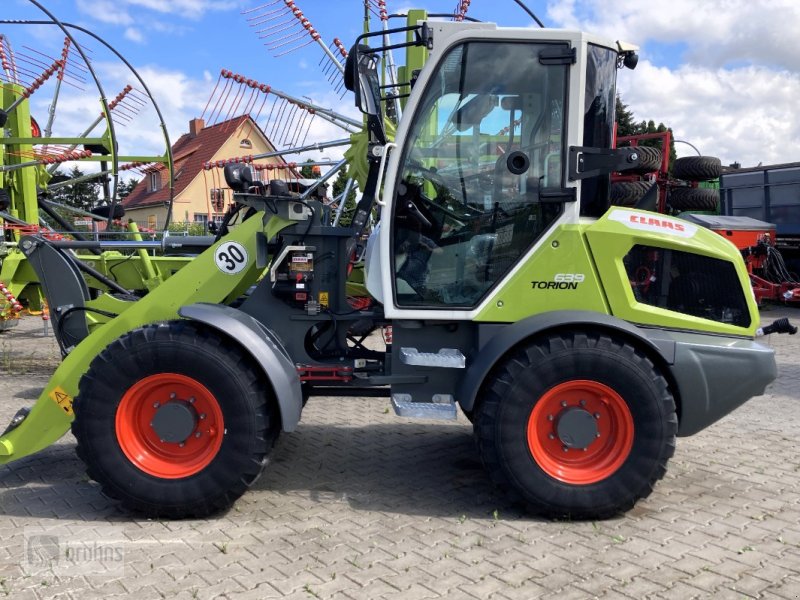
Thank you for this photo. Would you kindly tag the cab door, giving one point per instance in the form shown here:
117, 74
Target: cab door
481, 173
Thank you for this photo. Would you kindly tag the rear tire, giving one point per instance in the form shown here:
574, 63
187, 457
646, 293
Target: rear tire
531, 409
697, 168
188, 384
687, 198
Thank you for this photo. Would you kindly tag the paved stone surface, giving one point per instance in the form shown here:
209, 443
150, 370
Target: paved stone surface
361, 504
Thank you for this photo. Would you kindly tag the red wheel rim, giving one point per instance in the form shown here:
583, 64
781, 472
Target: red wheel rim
601, 457
142, 445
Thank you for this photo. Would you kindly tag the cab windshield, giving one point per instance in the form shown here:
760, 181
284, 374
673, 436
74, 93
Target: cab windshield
488, 136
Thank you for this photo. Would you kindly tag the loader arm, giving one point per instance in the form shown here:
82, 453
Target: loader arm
202, 280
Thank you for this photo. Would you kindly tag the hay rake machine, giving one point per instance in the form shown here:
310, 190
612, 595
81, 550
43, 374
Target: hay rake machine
56, 112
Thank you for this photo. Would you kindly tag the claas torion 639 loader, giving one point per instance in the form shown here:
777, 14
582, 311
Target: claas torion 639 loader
579, 339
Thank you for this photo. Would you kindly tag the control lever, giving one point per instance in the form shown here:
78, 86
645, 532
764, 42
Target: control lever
415, 212
778, 326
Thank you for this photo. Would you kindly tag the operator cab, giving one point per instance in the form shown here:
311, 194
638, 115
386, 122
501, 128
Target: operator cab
490, 160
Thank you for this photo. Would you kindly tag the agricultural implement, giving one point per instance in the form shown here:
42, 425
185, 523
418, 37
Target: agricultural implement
664, 187
32, 151
512, 291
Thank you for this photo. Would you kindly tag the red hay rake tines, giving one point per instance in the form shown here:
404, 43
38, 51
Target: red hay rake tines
284, 28
7, 60
141, 169
285, 120
461, 10
48, 158
378, 8
126, 105
332, 70
69, 72
30, 67
11, 300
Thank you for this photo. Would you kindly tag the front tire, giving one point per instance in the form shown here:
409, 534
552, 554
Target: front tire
576, 425
174, 421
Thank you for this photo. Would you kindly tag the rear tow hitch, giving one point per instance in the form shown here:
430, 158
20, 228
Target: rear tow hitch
778, 326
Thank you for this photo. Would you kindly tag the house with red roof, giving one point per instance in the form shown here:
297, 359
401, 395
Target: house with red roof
200, 194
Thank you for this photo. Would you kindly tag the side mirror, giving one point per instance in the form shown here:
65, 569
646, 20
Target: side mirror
631, 60
238, 176
361, 78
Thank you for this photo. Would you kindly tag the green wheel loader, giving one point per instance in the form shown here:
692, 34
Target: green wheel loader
579, 340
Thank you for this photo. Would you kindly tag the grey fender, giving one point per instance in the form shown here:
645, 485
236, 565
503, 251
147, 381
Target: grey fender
497, 340
263, 346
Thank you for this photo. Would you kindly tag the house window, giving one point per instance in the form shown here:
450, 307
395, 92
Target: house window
151, 221
154, 182
201, 218
245, 143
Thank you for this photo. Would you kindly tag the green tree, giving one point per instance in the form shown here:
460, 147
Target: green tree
625, 122
627, 126
124, 188
349, 203
83, 194
307, 171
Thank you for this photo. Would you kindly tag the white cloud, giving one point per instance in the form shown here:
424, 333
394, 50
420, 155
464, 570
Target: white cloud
744, 114
716, 32
134, 35
193, 9
105, 11
118, 12
734, 93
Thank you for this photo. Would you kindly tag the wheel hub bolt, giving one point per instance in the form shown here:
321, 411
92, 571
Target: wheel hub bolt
173, 395
156, 405
564, 403
191, 400
552, 436
197, 435
181, 445
565, 449
203, 416
582, 403
596, 415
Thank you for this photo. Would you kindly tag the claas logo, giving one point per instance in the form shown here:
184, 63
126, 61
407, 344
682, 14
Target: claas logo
663, 223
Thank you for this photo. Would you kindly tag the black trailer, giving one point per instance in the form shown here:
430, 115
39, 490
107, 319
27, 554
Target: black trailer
769, 193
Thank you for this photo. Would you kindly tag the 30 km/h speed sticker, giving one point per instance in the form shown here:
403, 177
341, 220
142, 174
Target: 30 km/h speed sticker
231, 257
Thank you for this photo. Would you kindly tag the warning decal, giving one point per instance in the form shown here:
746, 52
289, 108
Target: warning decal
63, 399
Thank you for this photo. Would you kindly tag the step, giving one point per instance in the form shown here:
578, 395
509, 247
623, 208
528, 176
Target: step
446, 358
443, 407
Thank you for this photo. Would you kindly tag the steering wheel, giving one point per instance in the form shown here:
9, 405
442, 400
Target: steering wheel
435, 177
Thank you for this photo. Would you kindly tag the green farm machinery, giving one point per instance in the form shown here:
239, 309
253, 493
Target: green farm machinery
511, 287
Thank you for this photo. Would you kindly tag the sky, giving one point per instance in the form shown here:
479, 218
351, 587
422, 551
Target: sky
723, 74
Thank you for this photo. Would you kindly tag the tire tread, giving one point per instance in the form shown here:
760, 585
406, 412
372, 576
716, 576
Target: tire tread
496, 392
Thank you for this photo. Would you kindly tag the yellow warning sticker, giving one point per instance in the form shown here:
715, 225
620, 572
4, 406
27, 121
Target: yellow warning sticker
63, 399
323, 299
